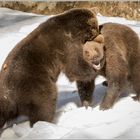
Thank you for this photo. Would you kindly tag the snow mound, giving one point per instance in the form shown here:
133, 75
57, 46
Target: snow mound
82, 123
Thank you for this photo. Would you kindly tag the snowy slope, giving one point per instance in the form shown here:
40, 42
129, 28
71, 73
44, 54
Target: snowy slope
71, 120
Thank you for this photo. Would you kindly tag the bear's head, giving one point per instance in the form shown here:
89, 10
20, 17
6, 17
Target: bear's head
93, 52
79, 24
74, 28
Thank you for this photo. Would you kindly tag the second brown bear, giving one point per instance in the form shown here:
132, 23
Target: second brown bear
122, 64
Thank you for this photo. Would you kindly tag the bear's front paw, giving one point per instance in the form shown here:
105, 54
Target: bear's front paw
106, 106
86, 104
136, 98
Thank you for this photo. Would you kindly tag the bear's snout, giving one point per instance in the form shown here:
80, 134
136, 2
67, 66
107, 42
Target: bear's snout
91, 55
96, 62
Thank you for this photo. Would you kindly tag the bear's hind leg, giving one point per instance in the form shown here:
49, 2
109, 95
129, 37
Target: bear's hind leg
116, 74
43, 107
136, 87
113, 92
135, 79
85, 90
2, 122
42, 113
8, 110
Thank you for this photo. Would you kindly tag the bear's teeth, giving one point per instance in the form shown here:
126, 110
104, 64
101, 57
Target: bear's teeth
97, 67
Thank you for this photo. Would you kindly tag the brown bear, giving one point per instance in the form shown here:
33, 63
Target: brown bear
29, 74
121, 67
93, 54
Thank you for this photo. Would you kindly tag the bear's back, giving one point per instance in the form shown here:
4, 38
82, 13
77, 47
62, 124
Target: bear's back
120, 32
121, 37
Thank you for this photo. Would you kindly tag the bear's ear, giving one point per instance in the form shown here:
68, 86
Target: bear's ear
99, 39
94, 10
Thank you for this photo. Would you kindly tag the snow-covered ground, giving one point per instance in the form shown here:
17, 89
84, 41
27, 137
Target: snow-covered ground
71, 120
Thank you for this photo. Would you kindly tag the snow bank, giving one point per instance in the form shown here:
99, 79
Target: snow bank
77, 122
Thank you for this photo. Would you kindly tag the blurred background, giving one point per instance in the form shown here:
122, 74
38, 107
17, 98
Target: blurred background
127, 9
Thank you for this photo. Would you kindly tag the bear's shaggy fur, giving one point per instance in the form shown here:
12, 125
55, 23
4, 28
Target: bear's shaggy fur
93, 54
122, 64
29, 73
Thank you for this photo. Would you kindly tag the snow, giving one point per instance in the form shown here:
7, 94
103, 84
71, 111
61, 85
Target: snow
71, 121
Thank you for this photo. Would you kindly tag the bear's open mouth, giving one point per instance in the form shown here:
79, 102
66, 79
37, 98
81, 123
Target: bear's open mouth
96, 66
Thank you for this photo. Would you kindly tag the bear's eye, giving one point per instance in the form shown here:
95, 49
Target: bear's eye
96, 49
104, 48
95, 57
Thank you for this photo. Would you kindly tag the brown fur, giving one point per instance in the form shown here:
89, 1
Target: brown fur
122, 64
93, 54
29, 73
